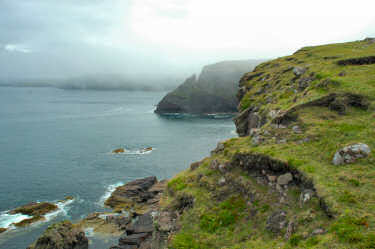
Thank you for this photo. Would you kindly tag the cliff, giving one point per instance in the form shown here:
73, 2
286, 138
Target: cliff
214, 90
301, 174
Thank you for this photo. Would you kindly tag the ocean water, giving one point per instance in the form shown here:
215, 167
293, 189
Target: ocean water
56, 143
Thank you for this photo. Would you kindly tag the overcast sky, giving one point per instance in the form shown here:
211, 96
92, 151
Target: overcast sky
64, 38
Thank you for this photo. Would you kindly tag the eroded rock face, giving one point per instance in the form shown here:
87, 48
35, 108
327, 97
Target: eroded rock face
351, 153
142, 195
62, 235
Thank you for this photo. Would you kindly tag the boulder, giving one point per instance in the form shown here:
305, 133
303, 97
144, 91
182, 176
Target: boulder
145, 150
220, 147
285, 179
299, 71
304, 83
62, 235
276, 221
350, 154
166, 221
36, 210
221, 181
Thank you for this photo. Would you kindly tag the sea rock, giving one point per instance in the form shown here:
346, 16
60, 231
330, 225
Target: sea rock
276, 221
299, 71
144, 150
119, 150
36, 210
350, 154
142, 195
2, 229
285, 179
107, 224
62, 235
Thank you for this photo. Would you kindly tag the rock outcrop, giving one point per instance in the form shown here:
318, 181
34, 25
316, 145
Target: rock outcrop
140, 196
213, 92
350, 154
36, 211
62, 235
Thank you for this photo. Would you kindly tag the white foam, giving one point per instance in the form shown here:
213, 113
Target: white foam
63, 207
89, 231
233, 132
6, 220
108, 193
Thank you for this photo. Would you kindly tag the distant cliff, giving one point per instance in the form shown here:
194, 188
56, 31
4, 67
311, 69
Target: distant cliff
214, 91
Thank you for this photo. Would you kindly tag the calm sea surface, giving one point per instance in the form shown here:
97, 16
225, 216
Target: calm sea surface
57, 143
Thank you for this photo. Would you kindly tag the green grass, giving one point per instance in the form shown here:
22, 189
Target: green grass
234, 220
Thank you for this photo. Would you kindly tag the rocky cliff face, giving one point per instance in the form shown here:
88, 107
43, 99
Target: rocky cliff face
214, 91
301, 173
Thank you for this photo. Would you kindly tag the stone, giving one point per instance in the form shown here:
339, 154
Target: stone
221, 181
278, 187
121, 221
62, 235
350, 154
296, 129
2, 229
214, 164
276, 221
306, 196
318, 231
134, 239
304, 83
285, 179
299, 71
272, 178
282, 141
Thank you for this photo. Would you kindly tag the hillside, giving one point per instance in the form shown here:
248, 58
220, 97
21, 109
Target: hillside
214, 90
281, 184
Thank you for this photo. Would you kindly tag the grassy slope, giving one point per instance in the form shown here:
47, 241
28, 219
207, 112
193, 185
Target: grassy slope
348, 189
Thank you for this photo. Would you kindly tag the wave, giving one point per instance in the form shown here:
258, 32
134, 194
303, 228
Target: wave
108, 193
7, 219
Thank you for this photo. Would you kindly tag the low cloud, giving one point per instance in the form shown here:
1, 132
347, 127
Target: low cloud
16, 48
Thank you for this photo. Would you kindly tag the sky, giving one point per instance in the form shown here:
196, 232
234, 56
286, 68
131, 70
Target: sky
69, 38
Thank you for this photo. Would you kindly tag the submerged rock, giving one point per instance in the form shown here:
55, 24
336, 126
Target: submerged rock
34, 209
350, 154
62, 235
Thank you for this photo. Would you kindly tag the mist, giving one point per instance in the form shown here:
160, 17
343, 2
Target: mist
160, 43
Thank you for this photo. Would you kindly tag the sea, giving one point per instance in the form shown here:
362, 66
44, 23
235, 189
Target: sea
56, 143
